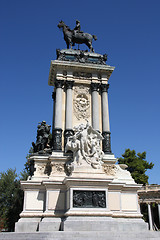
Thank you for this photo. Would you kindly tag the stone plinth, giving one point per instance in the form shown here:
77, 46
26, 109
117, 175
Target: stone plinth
49, 197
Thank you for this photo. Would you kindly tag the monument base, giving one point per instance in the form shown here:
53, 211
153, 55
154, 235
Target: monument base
103, 224
50, 225
86, 200
27, 224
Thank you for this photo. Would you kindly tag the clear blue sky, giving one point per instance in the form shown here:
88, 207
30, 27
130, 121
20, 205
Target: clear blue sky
127, 30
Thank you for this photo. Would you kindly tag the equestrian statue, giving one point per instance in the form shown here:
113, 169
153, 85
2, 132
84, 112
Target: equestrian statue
76, 36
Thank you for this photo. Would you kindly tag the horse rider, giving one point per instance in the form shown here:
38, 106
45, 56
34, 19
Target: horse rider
77, 28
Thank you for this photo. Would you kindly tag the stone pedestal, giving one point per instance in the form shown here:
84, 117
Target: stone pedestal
85, 199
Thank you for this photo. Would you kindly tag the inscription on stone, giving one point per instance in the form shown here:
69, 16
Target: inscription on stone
89, 199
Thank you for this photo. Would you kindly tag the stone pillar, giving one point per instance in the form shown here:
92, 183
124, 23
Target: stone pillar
57, 130
54, 100
106, 143
159, 212
68, 121
150, 216
95, 106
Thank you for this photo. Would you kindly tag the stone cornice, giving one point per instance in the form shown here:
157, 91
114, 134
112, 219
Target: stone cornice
71, 71
149, 193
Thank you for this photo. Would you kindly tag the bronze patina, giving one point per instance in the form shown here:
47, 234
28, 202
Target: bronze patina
76, 36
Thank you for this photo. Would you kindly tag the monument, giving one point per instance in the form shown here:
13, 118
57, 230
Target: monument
75, 183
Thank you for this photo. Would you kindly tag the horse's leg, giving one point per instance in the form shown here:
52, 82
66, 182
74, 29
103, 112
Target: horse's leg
91, 48
89, 44
70, 42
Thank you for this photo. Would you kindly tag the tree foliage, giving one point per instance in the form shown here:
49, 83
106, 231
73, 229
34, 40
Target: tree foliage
26, 171
11, 199
11, 195
137, 165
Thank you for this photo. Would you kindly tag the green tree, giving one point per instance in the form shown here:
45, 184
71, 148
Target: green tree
137, 165
11, 195
11, 199
26, 171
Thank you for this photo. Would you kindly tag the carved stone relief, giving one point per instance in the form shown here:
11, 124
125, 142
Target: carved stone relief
57, 167
81, 103
109, 169
89, 199
85, 145
40, 169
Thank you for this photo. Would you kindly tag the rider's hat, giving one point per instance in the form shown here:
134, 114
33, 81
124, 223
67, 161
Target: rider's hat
77, 21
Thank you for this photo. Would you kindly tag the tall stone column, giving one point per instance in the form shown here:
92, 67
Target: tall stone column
95, 106
150, 216
68, 121
54, 102
57, 130
106, 143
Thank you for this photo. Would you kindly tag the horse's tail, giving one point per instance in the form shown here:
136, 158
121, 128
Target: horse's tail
95, 37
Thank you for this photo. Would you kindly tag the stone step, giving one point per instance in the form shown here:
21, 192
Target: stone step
85, 235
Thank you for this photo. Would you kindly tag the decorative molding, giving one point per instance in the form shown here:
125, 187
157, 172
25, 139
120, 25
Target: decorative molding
81, 103
81, 56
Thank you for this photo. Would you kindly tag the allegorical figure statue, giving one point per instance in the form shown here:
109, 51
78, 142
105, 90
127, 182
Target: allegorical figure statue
85, 145
76, 35
42, 142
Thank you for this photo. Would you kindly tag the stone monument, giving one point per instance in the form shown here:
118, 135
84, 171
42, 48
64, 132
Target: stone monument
75, 183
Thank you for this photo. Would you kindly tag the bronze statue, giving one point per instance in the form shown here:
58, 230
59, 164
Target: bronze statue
78, 27
76, 36
43, 141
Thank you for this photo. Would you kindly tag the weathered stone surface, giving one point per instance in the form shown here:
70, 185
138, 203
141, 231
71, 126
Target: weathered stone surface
81, 235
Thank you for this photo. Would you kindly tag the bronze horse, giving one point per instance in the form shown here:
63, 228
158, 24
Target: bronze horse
71, 37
